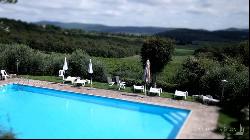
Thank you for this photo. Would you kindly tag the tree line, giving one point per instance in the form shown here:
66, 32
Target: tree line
50, 38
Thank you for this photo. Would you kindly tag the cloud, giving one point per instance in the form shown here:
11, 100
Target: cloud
207, 14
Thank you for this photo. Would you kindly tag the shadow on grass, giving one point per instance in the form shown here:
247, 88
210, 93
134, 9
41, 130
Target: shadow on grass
231, 127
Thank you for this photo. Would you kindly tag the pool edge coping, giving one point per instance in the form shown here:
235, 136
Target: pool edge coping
184, 124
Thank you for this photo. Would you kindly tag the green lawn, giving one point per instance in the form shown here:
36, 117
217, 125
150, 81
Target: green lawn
99, 85
226, 125
43, 78
183, 52
225, 120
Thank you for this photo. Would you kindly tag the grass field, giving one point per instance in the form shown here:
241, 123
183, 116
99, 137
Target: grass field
226, 125
131, 67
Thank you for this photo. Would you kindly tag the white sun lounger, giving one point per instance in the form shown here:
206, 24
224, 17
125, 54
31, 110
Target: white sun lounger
70, 79
181, 94
139, 88
79, 81
209, 99
155, 90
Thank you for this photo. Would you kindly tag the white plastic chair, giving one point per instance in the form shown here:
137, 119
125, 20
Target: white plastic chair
121, 85
4, 74
61, 73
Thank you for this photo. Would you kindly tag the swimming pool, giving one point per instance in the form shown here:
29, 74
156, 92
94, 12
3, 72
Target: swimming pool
33, 112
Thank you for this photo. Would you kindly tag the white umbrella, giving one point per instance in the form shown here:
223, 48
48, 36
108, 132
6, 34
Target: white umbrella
65, 65
147, 76
90, 71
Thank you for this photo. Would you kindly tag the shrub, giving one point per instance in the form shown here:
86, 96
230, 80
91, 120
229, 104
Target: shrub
78, 63
37, 63
23, 53
168, 87
189, 75
100, 73
239, 52
78, 66
50, 64
131, 81
203, 76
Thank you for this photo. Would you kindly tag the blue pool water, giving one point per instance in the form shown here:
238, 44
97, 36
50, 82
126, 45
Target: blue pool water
33, 112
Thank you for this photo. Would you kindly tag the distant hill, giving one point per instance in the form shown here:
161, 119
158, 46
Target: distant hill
50, 38
236, 29
104, 28
188, 35
182, 35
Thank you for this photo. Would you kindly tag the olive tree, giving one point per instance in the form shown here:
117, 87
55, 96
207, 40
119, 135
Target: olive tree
159, 52
78, 66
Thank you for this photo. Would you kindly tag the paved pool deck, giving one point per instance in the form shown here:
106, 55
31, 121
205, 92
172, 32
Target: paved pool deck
200, 125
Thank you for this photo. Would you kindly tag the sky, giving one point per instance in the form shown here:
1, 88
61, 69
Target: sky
194, 14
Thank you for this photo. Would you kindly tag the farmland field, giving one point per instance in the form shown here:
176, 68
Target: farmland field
131, 67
